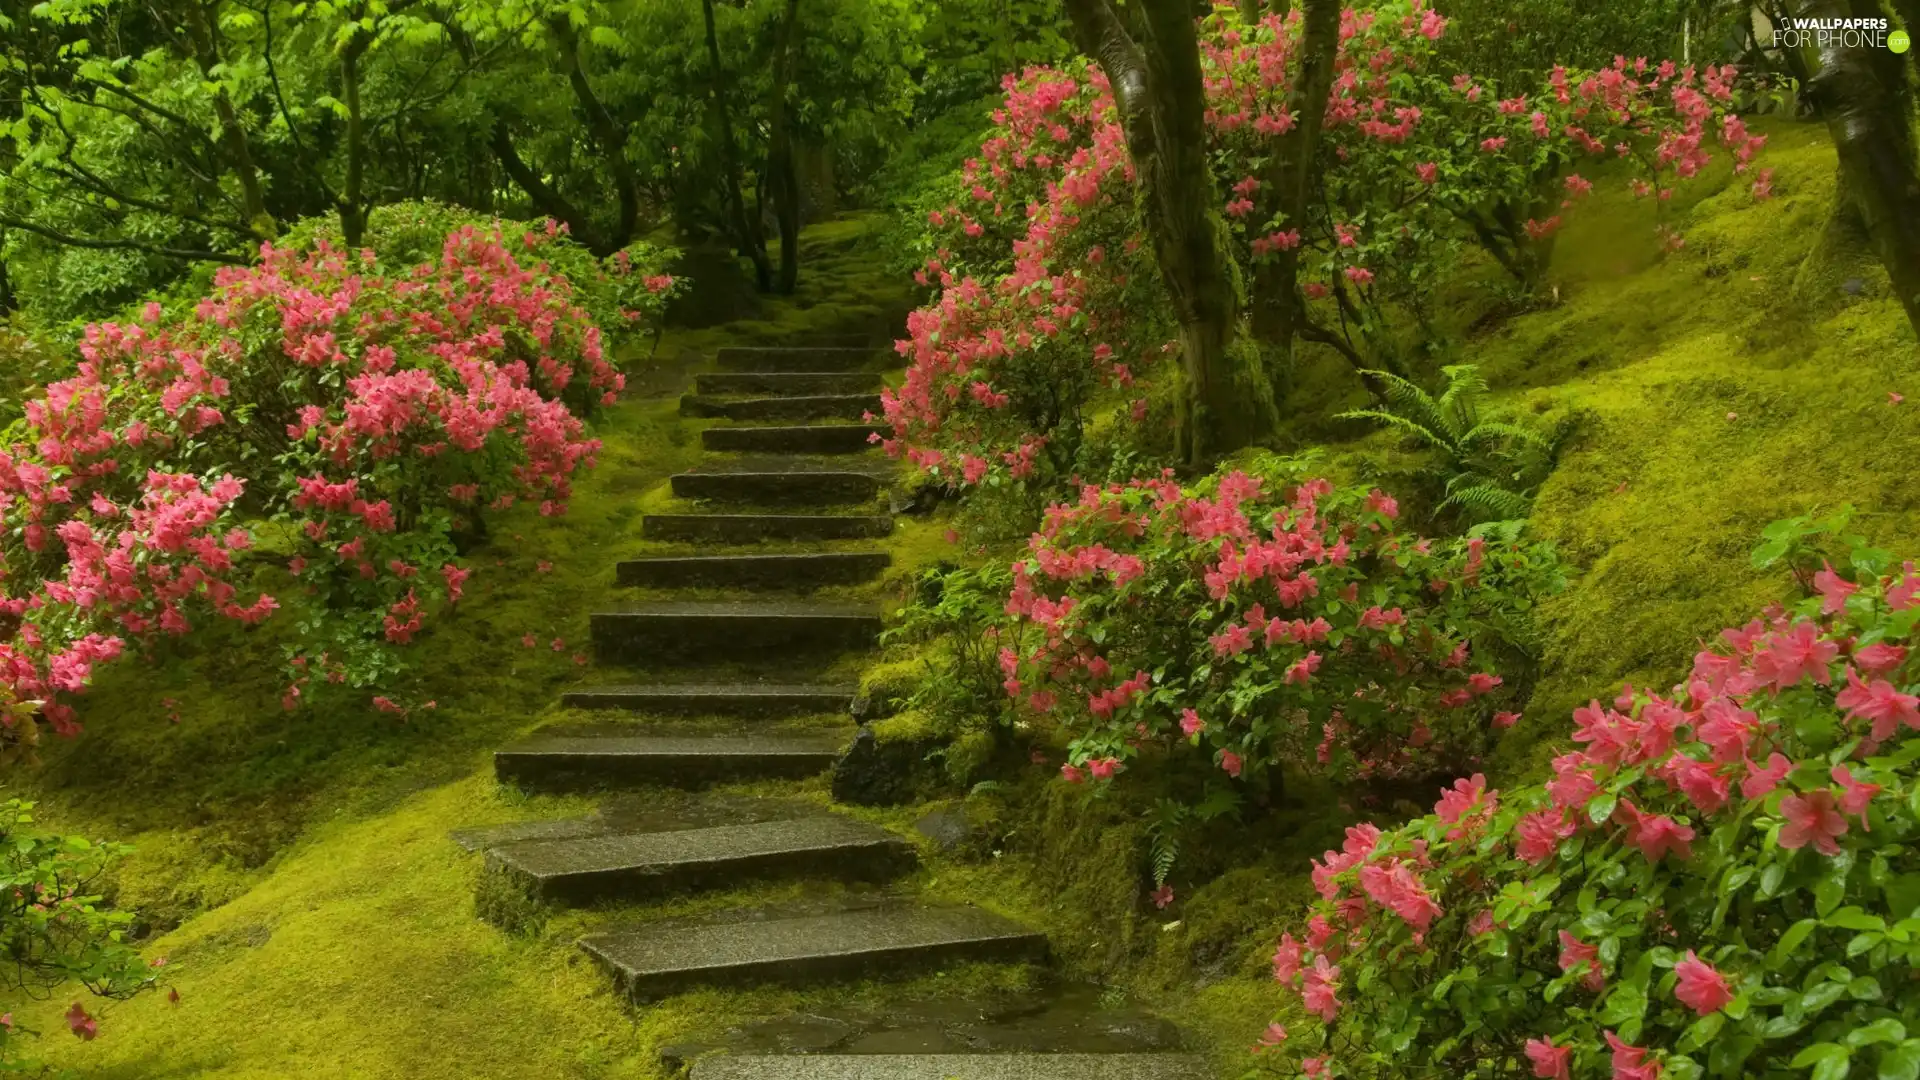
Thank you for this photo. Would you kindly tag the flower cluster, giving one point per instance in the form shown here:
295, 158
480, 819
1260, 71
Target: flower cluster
1253, 624
1715, 881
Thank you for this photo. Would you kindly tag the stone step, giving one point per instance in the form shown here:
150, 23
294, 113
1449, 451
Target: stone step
650, 962
770, 485
730, 630
635, 866
749, 528
755, 571
795, 439
719, 699
548, 762
793, 358
802, 407
954, 1067
787, 383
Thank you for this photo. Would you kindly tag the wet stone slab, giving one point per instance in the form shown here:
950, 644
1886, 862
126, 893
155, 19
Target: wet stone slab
751, 528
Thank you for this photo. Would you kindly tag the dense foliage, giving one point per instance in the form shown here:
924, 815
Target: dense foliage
1050, 309
1717, 881
352, 422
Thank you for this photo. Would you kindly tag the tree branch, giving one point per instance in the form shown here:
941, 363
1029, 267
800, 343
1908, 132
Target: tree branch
68, 240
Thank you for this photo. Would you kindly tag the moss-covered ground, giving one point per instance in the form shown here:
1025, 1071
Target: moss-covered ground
296, 868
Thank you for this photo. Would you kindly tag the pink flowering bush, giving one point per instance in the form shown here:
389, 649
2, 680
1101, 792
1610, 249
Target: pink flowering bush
1050, 310
349, 422
1717, 880
1248, 624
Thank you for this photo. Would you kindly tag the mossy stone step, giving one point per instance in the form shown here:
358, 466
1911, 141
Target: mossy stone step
801, 571
653, 961
750, 528
722, 630
793, 439
954, 1067
582, 762
769, 485
583, 870
787, 383
802, 407
716, 699
793, 358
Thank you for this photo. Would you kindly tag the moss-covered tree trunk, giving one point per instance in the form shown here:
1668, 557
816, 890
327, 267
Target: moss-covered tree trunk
1151, 57
1861, 94
200, 22
609, 137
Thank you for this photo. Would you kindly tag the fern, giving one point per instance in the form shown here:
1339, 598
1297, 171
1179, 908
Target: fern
1163, 838
1490, 468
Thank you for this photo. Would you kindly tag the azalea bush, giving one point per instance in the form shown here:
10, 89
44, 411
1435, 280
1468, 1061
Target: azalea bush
315, 432
56, 929
1717, 880
1050, 309
1247, 625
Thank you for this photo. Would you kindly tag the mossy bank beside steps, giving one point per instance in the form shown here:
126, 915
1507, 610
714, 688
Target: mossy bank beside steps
719, 652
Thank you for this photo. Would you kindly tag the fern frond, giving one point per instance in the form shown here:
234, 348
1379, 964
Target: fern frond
1489, 501
1401, 424
1407, 399
1488, 430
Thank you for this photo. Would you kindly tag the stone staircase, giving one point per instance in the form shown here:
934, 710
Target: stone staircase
722, 686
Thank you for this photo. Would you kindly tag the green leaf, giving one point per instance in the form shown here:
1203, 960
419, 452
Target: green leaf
1817, 1053
1601, 808
1883, 1030
1902, 1062
1790, 940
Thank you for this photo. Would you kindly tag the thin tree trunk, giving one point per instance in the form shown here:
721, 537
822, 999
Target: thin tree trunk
781, 173
1249, 11
206, 52
1278, 308
353, 207
609, 137
1152, 61
1870, 129
747, 233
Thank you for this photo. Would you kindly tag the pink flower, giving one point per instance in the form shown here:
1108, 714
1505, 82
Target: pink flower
1230, 761
84, 1026
1539, 834
1286, 959
1071, 775
1880, 657
1630, 1062
1576, 955
1163, 896
1833, 589
1494, 145
1812, 818
1320, 993
1654, 834
1700, 987
1760, 782
1301, 670
1878, 702
1550, 1062
1359, 275
1855, 796
1190, 723
1102, 768
1504, 720
1271, 1038
1427, 171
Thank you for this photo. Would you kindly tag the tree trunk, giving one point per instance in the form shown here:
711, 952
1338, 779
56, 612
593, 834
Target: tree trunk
782, 175
1152, 61
1278, 308
206, 53
1909, 20
1870, 129
609, 137
747, 234
353, 206
1249, 11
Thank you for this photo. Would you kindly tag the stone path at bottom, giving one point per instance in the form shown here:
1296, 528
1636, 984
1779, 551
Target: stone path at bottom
790, 465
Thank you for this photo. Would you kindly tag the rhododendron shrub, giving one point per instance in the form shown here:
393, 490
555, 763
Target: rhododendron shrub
1717, 880
1050, 306
1251, 625
369, 416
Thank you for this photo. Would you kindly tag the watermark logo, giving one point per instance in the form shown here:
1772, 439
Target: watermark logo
1845, 33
